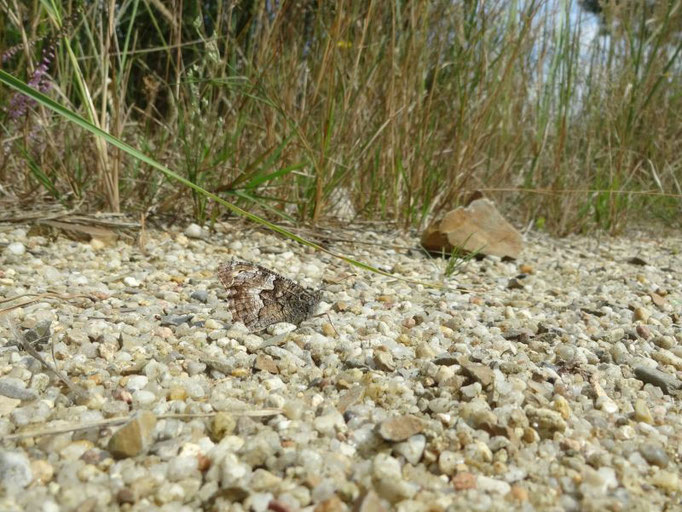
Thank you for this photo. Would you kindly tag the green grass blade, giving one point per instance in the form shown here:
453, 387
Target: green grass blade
48, 102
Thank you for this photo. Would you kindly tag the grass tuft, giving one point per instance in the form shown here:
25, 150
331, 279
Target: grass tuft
572, 121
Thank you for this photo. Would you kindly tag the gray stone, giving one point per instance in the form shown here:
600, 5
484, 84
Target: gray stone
15, 470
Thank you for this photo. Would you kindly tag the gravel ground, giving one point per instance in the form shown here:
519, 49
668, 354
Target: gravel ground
550, 383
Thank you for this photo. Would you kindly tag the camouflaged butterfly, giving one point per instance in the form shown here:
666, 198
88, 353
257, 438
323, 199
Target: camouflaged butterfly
258, 297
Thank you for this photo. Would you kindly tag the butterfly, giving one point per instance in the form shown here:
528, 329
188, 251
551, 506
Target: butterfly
258, 297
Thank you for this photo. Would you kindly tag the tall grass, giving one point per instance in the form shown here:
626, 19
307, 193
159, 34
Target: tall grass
404, 107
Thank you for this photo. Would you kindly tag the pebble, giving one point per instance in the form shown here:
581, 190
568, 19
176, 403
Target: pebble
598, 483
329, 423
668, 383
200, 296
16, 249
654, 454
641, 314
15, 471
15, 388
412, 449
546, 421
400, 428
42, 471
134, 437
642, 412
131, 281
448, 462
194, 231
666, 480
487, 484
183, 467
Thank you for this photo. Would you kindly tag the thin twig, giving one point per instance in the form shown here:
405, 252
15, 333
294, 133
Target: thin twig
39, 297
26, 345
112, 422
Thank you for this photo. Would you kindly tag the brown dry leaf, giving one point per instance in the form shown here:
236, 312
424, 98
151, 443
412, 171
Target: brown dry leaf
83, 233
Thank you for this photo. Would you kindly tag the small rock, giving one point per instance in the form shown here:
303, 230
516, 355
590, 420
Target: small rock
329, 423
125, 495
134, 437
351, 397
15, 388
448, 461
384, 360
331, 504
478, 452
654, 454
97, 244
200, 296
183, 467
340, 306
565, 352
400, 428
265, 363
232, 471
424, 351
665, 381
642, 412
143, 398
666, 342
658, 300
597, 483
42, 470
471, 391
477, 228
643, 331
194, 231
75, 449
666, 480
388, 480
7, 405
517, 493
412, 449
479, 372
515, 284
444, 359
223, 424
369, 502
328, 330
176, 320
487, 484
16, 248
131, 281
280, 328
641, 314
263, 481
136, 382
386, 467
464, 481
562, 406
15, 470
545, 421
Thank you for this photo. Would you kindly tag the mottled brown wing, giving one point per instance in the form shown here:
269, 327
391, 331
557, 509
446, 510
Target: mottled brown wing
258, 297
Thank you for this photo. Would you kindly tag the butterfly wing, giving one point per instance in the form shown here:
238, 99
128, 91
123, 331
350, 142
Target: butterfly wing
245, 283
258, 297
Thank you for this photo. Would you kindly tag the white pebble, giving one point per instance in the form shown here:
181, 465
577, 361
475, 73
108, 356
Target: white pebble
142, 397
131, 281
194, 231
136, 382
16, 248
